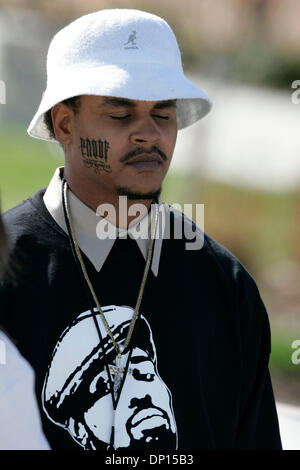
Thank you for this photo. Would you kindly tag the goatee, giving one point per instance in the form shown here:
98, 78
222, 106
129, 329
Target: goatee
133, 195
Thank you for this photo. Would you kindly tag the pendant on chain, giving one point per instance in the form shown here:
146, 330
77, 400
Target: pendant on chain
118, 372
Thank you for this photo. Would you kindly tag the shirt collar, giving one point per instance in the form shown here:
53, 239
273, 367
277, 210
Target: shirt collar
85, 223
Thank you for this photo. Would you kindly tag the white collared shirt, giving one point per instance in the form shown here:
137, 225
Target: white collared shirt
86, 223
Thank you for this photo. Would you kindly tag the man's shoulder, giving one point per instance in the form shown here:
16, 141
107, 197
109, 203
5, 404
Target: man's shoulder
24, 208
220, 267
190, 229
26, 217
227, 261
207, 248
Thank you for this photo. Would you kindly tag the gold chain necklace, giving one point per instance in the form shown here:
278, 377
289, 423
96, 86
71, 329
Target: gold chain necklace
119, 348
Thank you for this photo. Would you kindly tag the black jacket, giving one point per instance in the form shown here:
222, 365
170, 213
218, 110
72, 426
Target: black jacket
199, 377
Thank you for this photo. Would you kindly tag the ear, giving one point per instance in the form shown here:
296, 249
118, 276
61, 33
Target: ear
62, 119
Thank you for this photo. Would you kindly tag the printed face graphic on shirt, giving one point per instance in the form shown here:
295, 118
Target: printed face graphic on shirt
77, 389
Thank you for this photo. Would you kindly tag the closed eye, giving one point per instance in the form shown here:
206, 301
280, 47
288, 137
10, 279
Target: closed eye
120, 117
128, 115
161, 117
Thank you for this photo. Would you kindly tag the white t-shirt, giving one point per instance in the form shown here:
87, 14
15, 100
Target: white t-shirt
20, 423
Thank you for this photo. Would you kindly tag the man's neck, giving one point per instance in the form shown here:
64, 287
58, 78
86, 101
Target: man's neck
119, 210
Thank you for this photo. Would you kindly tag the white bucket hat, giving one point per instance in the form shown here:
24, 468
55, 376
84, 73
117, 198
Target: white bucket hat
118, 52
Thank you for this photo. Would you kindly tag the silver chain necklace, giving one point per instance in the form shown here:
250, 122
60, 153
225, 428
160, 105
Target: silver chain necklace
118, 371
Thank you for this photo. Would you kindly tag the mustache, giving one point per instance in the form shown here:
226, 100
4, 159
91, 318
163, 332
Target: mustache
141, 151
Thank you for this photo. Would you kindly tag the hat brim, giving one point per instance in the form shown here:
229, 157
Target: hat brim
146, 82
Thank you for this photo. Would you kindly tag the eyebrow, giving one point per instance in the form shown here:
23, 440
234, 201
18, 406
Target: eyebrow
123, 102
139, 359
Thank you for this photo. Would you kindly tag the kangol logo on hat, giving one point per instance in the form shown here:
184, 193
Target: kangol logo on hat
118, 52
131, 44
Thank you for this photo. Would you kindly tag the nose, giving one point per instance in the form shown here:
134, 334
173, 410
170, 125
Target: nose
141, 403
145, 131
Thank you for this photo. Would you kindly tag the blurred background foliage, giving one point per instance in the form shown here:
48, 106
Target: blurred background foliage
254, 42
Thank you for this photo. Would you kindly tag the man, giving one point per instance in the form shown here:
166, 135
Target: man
89, 266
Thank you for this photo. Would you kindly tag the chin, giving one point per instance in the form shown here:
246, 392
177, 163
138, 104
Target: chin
135, 194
